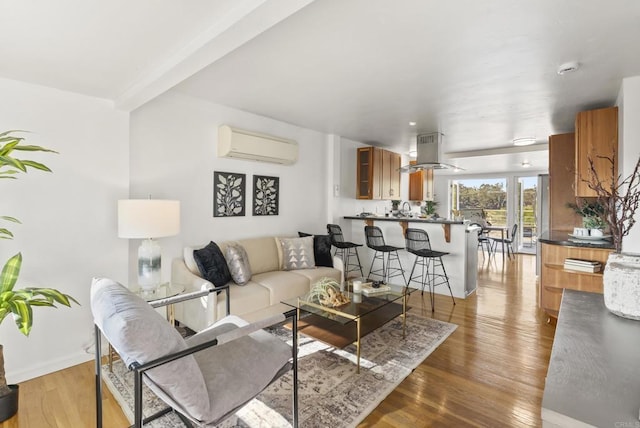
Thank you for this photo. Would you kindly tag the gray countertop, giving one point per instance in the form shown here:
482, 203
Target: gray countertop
409, 219
594, 373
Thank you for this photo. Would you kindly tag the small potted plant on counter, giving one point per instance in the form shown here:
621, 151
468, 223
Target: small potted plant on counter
593, 215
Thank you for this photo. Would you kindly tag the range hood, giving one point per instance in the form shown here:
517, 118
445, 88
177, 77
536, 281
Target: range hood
429, 150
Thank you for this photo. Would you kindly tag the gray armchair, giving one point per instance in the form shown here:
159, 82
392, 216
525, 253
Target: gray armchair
204, 378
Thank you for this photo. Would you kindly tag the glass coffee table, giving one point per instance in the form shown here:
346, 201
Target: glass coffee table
343, 325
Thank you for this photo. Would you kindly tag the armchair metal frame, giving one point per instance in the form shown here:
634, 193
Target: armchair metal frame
139, 370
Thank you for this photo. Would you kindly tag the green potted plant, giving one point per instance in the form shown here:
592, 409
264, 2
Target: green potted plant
429, 208
19, 302
593, 213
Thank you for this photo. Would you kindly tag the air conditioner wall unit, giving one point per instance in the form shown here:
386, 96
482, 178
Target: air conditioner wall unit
238, 143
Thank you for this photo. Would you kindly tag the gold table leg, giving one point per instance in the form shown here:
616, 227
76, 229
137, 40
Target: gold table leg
358, 345
404, 313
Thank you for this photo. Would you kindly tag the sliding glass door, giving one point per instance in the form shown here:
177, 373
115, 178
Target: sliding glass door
527, 196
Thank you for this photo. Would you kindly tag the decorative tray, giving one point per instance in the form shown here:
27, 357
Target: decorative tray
590, 238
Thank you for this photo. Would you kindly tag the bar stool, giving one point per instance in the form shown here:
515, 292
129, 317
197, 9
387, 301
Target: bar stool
375, 241
345, 249
417, 242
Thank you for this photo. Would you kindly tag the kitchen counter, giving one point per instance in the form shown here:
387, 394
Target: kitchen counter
404, 222
557, 237
411, 219
452, 237
593, 378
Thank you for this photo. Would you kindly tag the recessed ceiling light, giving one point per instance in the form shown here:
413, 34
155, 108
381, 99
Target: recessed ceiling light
568, 67
412, 123
526, 164
524, 141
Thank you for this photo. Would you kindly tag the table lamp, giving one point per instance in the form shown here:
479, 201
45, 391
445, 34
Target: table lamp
147, 219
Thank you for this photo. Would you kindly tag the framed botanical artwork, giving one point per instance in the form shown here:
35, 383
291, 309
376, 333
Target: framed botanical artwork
266, 193
228, 194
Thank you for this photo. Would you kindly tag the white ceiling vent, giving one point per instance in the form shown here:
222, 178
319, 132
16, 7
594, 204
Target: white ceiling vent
238, 143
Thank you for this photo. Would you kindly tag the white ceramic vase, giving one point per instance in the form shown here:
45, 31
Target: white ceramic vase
621, 284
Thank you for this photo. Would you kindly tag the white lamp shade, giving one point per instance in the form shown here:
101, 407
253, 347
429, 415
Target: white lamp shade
148, 218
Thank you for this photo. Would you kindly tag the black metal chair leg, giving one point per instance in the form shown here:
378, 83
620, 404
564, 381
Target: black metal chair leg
98, 340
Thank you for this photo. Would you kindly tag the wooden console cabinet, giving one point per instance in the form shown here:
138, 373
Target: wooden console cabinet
596, 135
378, 174
554, 278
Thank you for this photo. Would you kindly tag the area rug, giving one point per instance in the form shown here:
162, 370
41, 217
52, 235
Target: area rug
330, 391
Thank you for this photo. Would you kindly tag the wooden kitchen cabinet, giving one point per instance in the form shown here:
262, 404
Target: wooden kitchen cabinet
378, 174
596, 135
554, 278
421, 185
561, 172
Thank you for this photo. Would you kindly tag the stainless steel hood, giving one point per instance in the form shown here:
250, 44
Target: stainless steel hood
429, 151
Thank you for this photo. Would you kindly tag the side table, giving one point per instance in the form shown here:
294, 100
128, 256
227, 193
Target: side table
164, 290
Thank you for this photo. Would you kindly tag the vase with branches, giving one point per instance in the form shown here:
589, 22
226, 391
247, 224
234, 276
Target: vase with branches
618, 198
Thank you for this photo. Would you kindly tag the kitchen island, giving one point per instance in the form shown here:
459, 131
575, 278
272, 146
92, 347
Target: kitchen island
454, 237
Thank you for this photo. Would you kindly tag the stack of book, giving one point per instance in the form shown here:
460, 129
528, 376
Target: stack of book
582, 265
368, 290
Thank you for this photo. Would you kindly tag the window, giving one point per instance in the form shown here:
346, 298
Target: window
487, 194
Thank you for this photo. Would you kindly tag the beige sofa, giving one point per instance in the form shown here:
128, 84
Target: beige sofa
259, 298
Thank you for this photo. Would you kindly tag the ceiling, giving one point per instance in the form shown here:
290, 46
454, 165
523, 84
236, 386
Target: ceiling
479, 72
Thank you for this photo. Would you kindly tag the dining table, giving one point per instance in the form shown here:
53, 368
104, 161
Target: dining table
504, 230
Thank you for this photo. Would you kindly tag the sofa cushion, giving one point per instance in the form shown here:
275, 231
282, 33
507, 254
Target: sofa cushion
297, 253
315, 275
244, 299
140, 334
238, 263
189, 261
321, 249
262, 253
212, 264
282, 285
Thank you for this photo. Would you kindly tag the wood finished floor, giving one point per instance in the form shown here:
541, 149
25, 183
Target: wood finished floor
489, 373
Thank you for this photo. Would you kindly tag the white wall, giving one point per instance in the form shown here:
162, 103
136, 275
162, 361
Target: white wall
68, 233
629, 145
173, 156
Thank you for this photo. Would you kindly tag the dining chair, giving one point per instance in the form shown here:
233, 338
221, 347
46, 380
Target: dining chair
483, 240
508, 241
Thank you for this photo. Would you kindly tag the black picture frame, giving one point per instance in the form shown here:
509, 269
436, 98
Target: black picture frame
229, 194
266, 195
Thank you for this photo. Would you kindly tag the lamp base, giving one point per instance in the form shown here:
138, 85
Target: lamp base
149, 267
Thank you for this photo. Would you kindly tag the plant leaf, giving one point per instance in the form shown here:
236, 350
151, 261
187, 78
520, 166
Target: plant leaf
22, 315
32, 148
53, 294
9, 161
10, 273
36, 165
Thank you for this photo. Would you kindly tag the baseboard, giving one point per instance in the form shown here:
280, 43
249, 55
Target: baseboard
50, 367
